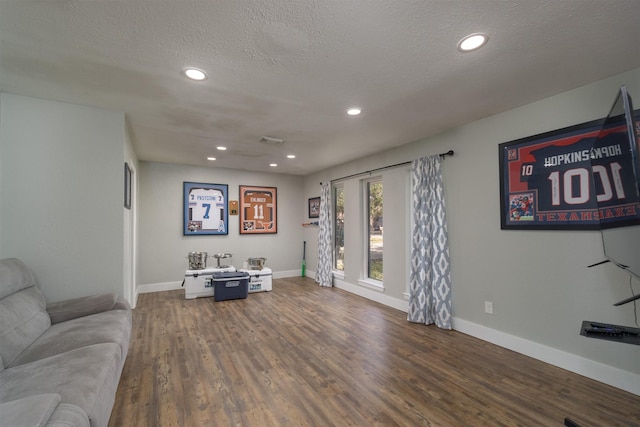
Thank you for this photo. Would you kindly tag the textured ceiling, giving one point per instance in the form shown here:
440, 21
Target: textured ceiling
290, 69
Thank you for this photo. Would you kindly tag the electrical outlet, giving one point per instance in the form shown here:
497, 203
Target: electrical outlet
488, 307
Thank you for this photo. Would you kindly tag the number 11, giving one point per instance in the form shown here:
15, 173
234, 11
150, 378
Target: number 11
258, 211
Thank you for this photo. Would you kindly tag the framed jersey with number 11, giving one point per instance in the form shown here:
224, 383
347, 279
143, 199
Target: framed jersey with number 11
258, 210
205, 209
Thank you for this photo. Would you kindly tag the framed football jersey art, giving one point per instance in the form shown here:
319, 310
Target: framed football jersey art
576, 178
258, 210
206, 209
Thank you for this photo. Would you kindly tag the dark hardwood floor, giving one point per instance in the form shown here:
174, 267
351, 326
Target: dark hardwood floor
302, 355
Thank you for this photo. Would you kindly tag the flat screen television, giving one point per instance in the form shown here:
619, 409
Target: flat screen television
616, 178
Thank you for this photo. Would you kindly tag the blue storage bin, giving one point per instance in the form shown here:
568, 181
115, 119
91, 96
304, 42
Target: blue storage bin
230, 285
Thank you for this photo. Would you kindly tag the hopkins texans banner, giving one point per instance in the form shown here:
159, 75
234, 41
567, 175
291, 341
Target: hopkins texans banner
579, 177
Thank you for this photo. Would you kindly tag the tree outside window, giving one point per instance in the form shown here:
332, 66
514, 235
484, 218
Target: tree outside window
338, 244
375, 235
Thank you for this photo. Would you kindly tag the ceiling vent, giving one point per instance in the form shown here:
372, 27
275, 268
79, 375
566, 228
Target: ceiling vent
271, 140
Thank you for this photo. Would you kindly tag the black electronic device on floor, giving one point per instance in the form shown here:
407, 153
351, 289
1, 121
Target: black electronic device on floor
570, 423
606, 331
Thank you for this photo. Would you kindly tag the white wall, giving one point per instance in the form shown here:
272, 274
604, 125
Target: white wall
538, 281
163, 248
61, 186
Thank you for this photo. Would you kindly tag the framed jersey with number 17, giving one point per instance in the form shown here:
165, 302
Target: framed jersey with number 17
205, 209
258, 210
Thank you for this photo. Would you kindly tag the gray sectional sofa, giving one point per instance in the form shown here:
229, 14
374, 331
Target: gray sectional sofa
60, 363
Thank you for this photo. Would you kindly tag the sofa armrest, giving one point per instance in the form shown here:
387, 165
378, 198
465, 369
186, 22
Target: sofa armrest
84, 306
68, 415
29, 411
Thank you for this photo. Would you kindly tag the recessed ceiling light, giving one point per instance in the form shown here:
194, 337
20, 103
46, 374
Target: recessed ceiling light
291, 156
273, 165
221, 148
195, 74
354, 111
472, 42
211, 158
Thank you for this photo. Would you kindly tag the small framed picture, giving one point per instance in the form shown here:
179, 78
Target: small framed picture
314, 207
127, 186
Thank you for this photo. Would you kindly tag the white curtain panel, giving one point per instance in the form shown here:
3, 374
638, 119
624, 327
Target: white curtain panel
323, 272
429, 279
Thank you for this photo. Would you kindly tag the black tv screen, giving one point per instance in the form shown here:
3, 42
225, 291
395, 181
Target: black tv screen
617, 180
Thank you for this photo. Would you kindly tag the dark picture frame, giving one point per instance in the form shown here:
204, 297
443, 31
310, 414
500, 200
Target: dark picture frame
547, 181
258, 210
314, 207
127, 186
205, 209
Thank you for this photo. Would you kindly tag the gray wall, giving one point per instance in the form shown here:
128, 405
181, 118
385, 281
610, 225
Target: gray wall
163, 248
538, 281
61, 186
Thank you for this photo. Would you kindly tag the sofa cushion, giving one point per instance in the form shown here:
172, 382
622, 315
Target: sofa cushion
62, 311
107, 327
14, 276
29, 411
22, 320
86, 377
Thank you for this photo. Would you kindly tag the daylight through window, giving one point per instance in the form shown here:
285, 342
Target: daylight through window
338, 243
375, 221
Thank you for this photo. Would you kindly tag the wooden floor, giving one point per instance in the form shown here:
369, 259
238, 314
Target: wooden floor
302, 355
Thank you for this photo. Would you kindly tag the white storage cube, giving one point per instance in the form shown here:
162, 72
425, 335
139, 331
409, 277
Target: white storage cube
259, 280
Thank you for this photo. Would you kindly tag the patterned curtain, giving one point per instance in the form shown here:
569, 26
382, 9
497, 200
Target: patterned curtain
323, 273
429, 279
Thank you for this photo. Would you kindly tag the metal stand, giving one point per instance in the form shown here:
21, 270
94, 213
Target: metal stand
221, 256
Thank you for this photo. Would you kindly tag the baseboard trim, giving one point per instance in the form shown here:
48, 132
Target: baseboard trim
624, 380
134, 303
372, 294
287, 273
159, 287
